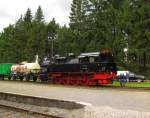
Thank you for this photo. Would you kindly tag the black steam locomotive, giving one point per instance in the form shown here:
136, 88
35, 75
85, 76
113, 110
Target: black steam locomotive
94, 68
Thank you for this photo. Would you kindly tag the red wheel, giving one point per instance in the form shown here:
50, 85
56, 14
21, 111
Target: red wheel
77, 82
64, 82
71, 82
59, 81
54, 81
84, 81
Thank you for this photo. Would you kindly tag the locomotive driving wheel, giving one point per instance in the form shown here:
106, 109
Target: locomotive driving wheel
79, 82
86, 82
71, 82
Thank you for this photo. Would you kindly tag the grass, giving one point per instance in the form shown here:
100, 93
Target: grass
133, 84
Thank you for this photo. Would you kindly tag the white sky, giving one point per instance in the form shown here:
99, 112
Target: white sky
11, 10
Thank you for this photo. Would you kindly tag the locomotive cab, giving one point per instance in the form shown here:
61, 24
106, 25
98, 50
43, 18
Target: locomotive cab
92, 68
59, 60
89, 57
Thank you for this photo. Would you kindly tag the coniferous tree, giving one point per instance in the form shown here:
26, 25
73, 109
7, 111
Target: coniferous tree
39, 31
39, 17
140, 31
94, 24
27, 19
28, 16
78, 15
7, 49
79, 23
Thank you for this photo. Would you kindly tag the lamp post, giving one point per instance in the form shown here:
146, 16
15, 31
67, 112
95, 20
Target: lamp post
51, 38
126, 54
50, 41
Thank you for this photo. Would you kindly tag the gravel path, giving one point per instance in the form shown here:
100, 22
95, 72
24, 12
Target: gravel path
131, 104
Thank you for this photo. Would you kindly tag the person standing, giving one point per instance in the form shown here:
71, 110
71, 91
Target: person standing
123, 80
127, 76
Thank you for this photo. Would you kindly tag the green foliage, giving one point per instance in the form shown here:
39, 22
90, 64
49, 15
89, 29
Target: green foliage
28, 17
25, 39
39, 17
115, 25
94, 24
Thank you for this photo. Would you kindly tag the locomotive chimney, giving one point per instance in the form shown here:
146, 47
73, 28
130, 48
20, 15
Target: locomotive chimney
36, 58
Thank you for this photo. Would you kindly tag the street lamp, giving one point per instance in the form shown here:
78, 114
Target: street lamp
51, 37
126, 54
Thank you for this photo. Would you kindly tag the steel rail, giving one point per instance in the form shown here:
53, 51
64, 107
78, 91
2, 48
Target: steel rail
28, 111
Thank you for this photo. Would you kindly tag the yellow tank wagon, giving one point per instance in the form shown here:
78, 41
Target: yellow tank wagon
26, 70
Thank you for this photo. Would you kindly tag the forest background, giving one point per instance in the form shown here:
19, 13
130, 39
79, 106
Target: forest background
123, 26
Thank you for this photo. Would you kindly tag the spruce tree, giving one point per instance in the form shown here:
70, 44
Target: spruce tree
78, 14
28, 16
140, 31
39, 17
38, 35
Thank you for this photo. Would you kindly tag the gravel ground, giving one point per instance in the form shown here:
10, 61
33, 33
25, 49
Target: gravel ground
102, 103
108, 112
87, 112
45, 110
9, 113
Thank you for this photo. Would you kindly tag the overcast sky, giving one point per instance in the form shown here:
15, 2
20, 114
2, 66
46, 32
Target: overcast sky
10, 10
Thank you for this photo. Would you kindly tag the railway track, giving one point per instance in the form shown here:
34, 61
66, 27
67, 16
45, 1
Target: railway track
27, 112
89, 87
94, 96
36, 107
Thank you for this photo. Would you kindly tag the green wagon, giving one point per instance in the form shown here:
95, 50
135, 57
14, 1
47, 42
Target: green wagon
5, 70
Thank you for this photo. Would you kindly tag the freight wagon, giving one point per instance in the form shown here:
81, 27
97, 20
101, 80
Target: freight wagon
5, 70
25, 70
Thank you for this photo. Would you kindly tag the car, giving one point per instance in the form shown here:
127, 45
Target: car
132, 77
139, 78
136, 77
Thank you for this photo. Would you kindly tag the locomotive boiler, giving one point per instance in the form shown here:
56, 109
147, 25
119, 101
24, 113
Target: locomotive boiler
94, 68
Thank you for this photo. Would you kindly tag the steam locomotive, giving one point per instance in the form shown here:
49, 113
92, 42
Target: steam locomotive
94, 68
